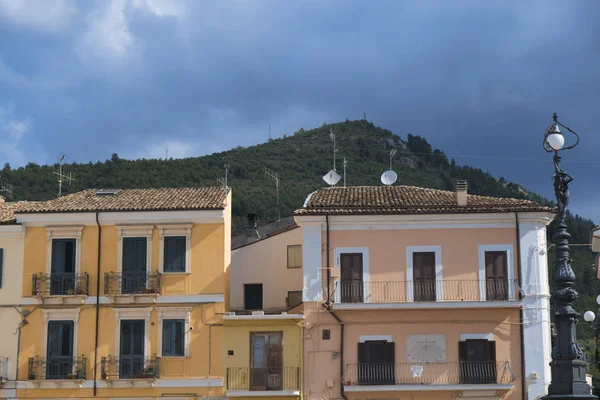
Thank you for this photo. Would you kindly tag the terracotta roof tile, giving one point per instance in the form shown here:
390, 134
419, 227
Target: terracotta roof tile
7, 211
406, 200
165, 199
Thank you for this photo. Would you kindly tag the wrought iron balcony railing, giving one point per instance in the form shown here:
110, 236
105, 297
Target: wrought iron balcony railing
131, 283
130, 367
57, 368
60, 284
427, 291
3, 370
271, 378
449, 373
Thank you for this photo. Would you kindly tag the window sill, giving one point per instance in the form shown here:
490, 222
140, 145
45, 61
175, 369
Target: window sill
174, 357
175, 273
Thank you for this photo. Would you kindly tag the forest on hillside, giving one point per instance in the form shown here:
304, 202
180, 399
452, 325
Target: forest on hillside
300, 160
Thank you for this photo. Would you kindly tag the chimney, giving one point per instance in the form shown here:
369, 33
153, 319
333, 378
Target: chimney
461, 192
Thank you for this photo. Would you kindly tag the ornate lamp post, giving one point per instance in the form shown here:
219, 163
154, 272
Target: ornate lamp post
589, 316
568, 360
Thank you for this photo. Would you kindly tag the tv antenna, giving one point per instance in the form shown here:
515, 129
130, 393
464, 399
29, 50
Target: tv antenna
68, 178
223, 180
332, 136
269, 132
275, 178
389, 177
345, 163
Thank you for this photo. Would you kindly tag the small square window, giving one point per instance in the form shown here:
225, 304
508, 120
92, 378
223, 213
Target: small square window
326, 334
294, 256
294, 298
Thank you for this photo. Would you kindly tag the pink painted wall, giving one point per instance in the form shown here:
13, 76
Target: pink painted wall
266, 262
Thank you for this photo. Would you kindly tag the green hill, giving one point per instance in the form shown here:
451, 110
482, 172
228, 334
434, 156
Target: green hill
301, 159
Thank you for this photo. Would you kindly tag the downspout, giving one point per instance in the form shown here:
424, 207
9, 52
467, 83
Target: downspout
521, 326
328, 266
341, 351
97, 304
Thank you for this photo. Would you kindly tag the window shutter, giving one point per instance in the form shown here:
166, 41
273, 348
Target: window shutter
389, 352
1, 265
462, 351
491, 351
363, 353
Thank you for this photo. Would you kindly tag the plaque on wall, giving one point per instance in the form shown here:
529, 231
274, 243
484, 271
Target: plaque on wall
426, 348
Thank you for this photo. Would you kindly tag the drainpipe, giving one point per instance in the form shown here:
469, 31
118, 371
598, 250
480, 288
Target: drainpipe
521, 326
97, 304
341, 350
328, 266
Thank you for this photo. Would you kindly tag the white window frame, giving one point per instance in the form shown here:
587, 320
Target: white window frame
64, 232
134, 231
65, 314
175, 230
129, 314
410, 250
372, 338
174, 313
508, 248
337, 252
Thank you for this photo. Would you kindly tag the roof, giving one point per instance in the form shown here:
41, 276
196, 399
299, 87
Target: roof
165, 199
7, 211
357, 200
265, 231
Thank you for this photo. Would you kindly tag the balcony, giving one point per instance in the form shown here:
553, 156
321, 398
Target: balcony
433, 375
132, 283
439, 291
60, 284
3, 371
272, 381
129, 367
57, 368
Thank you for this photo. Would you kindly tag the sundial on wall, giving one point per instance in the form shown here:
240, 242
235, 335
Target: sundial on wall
425, 348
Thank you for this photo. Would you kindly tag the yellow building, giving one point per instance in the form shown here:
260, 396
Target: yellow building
125, 292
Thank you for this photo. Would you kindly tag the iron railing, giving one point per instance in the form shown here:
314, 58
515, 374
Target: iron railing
449, 373
271, 378
3, 369
60, 284
130, 367
131, 283
57, 368
427, 291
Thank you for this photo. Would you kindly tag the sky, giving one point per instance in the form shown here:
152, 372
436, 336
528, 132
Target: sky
478, 79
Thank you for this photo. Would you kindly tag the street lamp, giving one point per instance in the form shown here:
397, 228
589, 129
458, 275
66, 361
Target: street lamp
568, 360
589, 316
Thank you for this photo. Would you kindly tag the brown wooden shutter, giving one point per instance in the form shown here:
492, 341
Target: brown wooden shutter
462, 351
363, 353
389, 349
491, 351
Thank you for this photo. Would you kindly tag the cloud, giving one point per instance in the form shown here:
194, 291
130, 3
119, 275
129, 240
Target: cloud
51, 15
12, 131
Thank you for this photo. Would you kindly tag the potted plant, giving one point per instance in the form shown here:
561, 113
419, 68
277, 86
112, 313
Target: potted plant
79, 291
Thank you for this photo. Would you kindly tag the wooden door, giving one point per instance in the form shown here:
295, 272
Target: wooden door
134, 265
131, 352
266, 369
351, 271
62, 268
477, 361
496, 275
424, 276
59, 352
376, 363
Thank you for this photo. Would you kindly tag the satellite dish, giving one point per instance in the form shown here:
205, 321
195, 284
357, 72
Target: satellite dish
388, 177
332, 178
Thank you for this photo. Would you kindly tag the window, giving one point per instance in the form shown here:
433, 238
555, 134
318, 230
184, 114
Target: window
266, 361
1, 265
477, 361
424, 276
62, 267
351, 268
294, 257
134, 264
59, 349
174, 253
173, 340
294, 298
376, 363
496, 275
253, 296
326, 334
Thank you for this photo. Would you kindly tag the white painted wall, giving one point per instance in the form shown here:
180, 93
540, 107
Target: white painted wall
12, 241
536, 307
265, 262
312, 260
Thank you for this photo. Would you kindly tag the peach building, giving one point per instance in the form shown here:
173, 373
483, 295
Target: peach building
424, 294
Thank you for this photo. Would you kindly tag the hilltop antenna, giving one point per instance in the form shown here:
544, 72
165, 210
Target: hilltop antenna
68, 178
269, 132
332, 136
223, 180
345, 163
275, 178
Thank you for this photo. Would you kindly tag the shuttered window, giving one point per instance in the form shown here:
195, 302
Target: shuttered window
376, 363
173, 340
175, 250
294, 257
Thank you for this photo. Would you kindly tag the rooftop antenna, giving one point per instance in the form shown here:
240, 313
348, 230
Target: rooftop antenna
269, 132
332, 136
68, 178
345, 163
389, 177
166, 153
223, 180
275, 178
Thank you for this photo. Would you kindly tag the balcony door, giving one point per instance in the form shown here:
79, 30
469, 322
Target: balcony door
59, 349
376, 363
62, 268
131, 352
477, 361
424, 276
496, 275
134, 264
351, 271
266, 369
